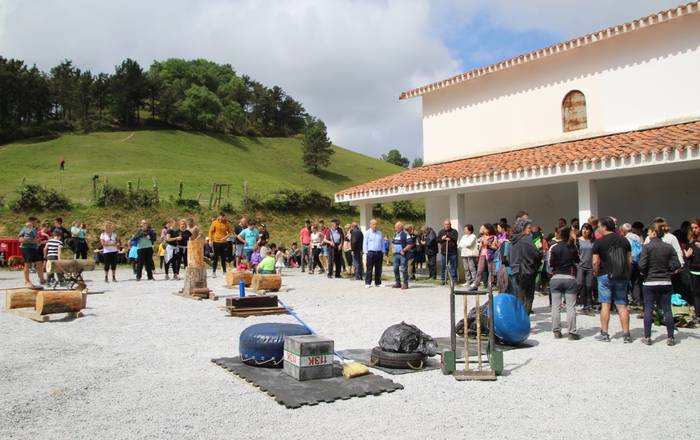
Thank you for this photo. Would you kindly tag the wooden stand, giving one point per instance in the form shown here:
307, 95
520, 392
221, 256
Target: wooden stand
266, 283
196, 272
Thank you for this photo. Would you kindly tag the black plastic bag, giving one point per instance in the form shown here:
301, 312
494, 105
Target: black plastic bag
407, 338
471, 321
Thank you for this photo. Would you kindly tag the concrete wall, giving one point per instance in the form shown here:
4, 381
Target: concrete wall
671, 195
643, 78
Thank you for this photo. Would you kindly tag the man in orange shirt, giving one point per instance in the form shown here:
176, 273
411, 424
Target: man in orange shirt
219, 232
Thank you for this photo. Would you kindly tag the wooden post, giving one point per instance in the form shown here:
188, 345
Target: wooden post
196, 273
179, 193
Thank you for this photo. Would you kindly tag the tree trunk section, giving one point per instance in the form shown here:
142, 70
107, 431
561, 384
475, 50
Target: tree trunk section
195, 253
266, 282
48, 302
20, 298
195, 281
234, 278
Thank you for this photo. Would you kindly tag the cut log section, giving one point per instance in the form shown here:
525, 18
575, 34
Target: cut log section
48, 302
195, 253
234, 278
271, 282
20, 298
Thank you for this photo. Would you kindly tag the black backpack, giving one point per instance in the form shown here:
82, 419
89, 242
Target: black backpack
616, 262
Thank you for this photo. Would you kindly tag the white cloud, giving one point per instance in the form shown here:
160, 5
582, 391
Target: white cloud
346, 60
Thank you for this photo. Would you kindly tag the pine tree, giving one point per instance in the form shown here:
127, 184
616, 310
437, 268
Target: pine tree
316, 147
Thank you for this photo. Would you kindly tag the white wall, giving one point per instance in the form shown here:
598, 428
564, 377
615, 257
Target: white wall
644, 78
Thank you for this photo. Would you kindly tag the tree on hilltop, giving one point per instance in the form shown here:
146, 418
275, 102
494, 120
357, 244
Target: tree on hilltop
394, 156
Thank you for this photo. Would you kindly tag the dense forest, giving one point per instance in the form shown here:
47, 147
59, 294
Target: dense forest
196, 94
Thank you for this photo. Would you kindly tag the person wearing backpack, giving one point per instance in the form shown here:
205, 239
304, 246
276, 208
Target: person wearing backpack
612, 265
635, 279
657, 263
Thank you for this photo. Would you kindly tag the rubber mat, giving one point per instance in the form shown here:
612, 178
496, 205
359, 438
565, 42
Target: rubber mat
294, 394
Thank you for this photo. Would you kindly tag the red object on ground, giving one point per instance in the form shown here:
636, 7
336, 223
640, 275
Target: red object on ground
10, 246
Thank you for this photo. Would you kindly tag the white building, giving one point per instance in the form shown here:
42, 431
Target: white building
604, 124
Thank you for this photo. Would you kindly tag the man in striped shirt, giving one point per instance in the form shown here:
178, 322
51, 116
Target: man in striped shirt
52, 252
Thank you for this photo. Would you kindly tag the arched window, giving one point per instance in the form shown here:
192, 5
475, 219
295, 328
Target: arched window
573, 111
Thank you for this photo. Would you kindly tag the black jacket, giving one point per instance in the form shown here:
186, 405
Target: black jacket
356, 240
431, 244
563, 259
658, 261
150, 233
524, 257
451, 245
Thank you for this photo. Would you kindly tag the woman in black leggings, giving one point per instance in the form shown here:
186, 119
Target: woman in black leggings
656, 264
584, 269
693, 256
108, 239
172, 253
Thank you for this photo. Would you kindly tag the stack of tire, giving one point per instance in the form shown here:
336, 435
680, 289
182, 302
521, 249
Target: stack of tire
262, 345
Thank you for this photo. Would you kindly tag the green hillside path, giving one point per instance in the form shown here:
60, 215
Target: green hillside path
195, 158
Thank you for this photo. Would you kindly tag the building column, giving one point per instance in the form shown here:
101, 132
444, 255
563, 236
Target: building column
587, 199
365, 215
457, 211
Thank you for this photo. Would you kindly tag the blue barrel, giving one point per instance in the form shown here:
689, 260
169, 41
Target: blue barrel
241, 288
510, 319
262, 345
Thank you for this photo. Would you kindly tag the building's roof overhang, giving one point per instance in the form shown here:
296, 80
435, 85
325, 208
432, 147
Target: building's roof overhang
574, 43
631, 150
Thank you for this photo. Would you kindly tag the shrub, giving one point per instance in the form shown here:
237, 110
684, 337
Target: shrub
36, 198
226, 207
344, 208
285, 200
405, 209
113, 196
188, 203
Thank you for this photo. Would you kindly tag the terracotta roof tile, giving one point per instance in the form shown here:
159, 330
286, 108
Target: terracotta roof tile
615, 146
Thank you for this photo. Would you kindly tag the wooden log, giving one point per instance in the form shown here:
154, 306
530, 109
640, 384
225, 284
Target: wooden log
59, 302
20, 298
195, 253
234, 278
252, 301
271, 282
195, 278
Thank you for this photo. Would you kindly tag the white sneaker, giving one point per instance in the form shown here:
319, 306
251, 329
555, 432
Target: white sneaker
367, 286
379, 285
213, 274
466, 285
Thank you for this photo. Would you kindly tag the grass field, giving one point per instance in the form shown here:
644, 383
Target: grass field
172, 156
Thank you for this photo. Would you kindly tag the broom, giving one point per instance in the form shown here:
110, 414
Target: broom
350, 368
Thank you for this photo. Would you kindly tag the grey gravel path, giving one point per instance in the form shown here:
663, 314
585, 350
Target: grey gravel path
138, 366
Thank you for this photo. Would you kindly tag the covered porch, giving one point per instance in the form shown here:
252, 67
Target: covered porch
631, 176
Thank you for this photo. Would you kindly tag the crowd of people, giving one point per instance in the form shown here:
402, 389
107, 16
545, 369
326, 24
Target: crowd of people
599, 263
578, 266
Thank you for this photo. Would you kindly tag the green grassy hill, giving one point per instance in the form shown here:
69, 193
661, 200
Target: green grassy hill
171, 156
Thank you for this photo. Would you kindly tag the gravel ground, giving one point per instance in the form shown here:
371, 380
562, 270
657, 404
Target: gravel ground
138, 366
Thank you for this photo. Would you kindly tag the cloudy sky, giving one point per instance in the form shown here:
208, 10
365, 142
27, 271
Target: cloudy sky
347, 61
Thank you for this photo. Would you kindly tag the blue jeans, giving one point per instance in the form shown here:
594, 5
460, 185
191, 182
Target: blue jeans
610, 291
401, 263
248, 254
453, 267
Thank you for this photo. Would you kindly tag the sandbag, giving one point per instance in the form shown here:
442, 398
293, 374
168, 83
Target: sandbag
510, 319
407, 338
262, 345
